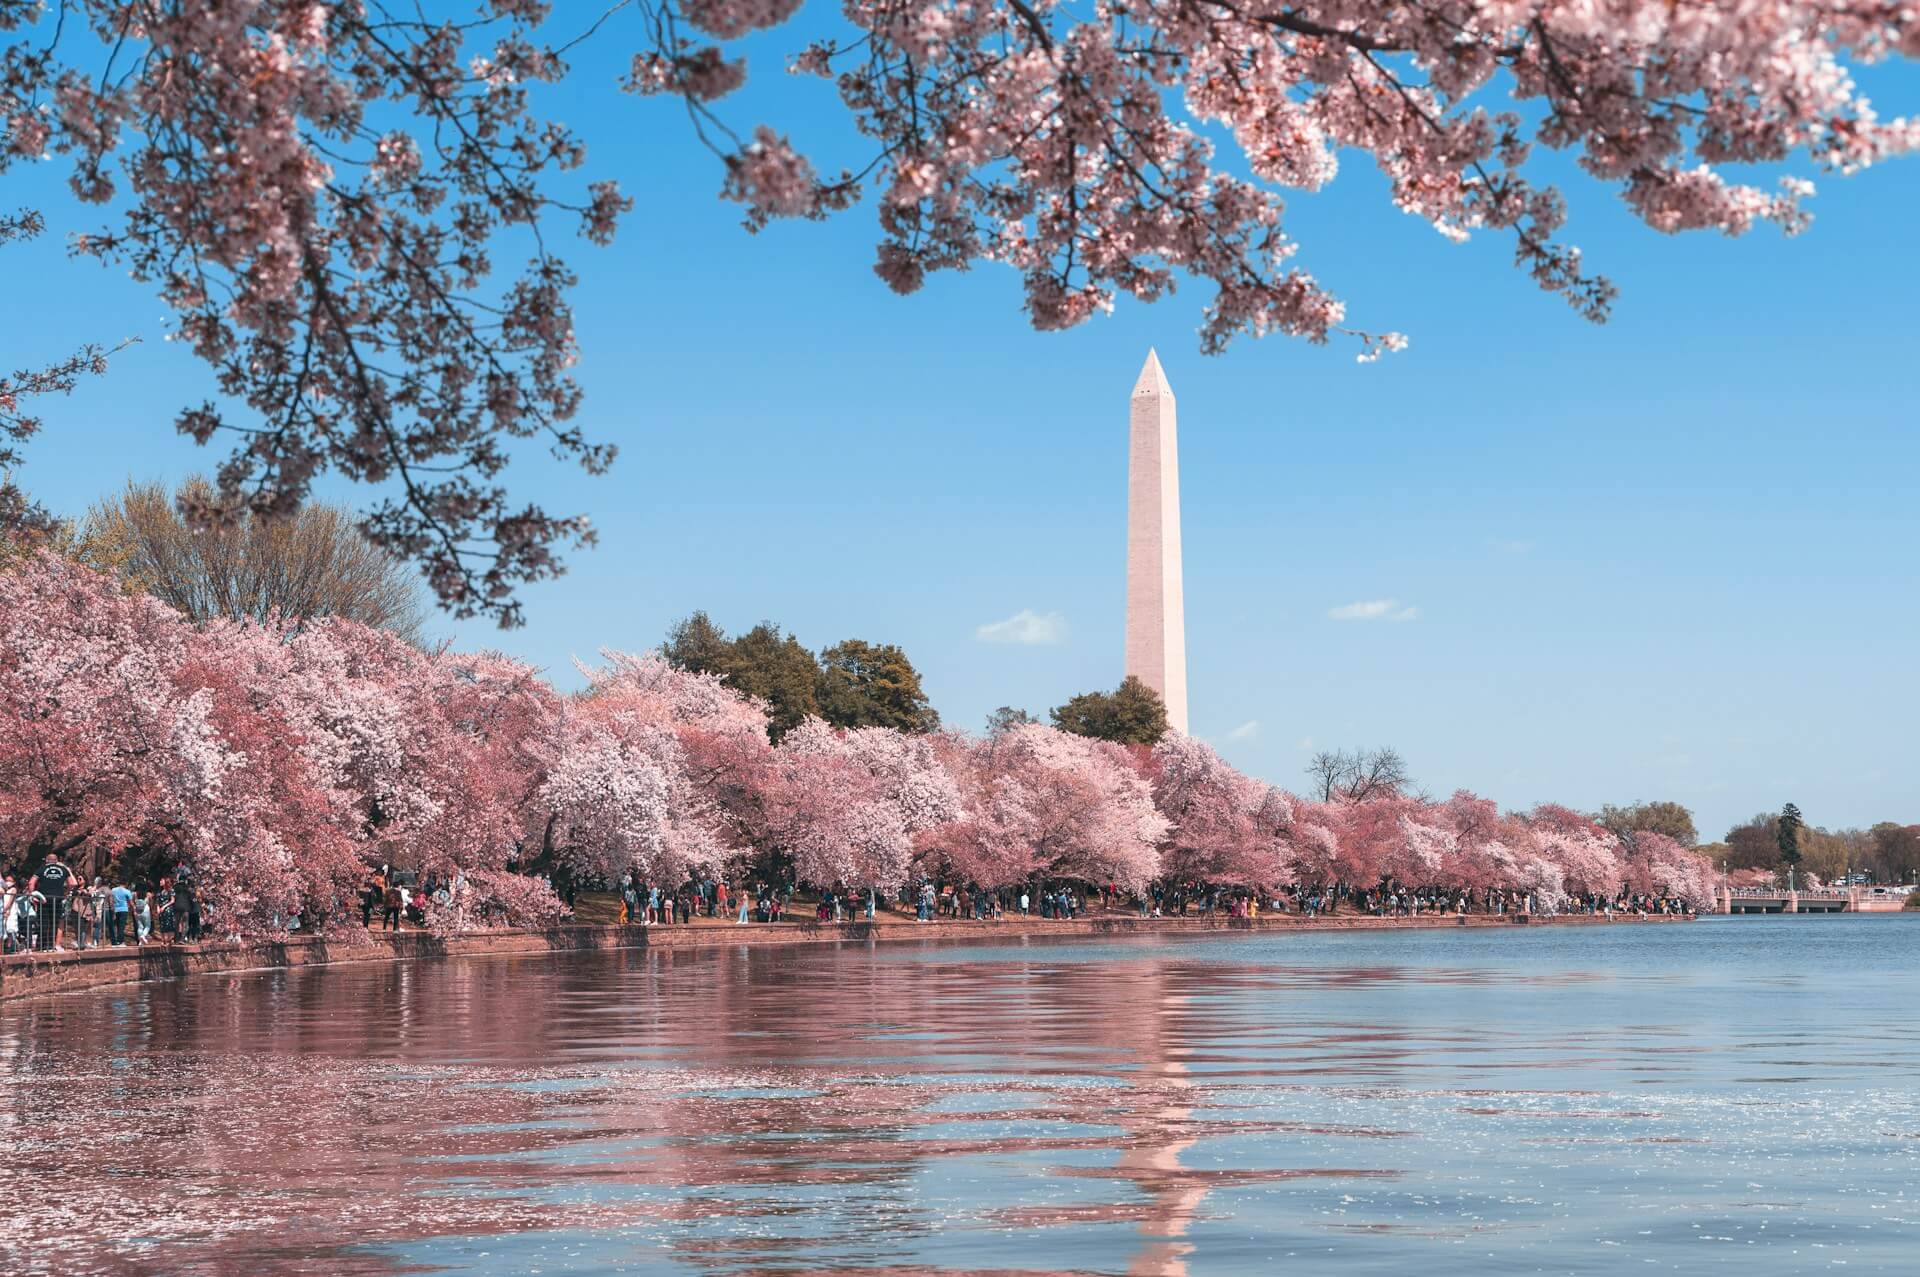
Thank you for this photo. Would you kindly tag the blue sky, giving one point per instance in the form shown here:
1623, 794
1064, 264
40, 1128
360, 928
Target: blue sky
1671, 557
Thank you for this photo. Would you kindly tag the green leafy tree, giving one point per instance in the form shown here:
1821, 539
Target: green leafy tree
852, 684
1671, 819
1825, 854
764, 662
1787, 835
1131, 714
697, 644
865, 684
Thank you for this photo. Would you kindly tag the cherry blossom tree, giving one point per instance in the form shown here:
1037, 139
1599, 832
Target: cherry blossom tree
1658, 865
429, 790
1227, 828
487, 898
1043, 803
1586, 855
716, 761
848, 805
100, 747
1314, 839
319, 189
315, 190
1049, 138
280, 834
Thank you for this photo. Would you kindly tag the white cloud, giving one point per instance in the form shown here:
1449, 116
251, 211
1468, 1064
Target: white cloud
1027, 628
1375, 610
1510, 546
1246, 731
1306, 743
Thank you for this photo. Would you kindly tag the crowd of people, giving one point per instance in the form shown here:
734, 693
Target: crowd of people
52, 908
644, 904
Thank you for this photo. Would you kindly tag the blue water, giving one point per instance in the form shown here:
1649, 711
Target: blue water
1734, 1094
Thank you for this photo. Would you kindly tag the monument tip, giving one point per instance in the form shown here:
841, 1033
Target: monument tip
1153, 380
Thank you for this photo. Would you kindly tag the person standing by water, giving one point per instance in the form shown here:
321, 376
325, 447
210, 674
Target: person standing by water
98, 909
119, 913
186, 907
373, 896
51, 882
85, 919
12, 900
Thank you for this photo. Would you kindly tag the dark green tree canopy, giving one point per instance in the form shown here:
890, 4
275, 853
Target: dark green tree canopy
1131, 714
851, 684
866, 684
1788, 835
763, 662
697, 644
775, 667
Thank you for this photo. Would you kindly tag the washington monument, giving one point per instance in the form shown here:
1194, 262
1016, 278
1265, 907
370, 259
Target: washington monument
1156, 619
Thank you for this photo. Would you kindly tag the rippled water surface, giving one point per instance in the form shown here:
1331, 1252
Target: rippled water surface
1739, 1094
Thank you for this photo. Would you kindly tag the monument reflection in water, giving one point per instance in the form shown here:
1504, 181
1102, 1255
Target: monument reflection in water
1737, 1093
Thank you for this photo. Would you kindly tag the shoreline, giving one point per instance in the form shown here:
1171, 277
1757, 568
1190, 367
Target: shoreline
30, 975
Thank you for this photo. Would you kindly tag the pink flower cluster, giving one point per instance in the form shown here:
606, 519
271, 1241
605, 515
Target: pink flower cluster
282, 761
334, 270
1053, 138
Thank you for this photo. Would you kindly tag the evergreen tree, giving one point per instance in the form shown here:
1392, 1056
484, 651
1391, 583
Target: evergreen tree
851, 684
865, 684
777, 669
1787, 834
698, 645
1132, 714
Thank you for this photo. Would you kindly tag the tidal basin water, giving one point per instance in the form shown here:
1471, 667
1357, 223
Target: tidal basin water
1733, 1095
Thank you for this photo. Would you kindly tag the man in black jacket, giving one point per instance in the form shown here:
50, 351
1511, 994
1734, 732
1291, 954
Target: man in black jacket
52, 882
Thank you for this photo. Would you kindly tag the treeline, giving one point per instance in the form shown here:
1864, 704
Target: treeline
1887, 852
853, 683
278, 760
856, 683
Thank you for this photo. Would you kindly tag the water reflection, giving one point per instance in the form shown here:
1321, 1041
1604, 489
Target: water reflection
1573, 1100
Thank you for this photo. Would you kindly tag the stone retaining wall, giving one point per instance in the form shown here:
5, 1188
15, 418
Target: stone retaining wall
26, 975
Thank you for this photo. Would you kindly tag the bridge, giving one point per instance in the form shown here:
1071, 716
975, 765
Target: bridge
1811, 900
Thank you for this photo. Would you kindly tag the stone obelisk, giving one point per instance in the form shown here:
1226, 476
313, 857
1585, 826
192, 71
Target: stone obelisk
1156, 617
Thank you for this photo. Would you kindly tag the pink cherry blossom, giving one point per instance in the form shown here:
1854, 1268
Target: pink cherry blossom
1042, 803
1226, 827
